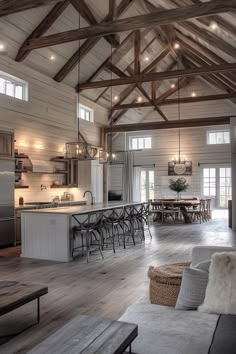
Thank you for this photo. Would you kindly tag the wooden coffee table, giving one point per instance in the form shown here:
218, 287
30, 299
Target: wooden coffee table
88, 335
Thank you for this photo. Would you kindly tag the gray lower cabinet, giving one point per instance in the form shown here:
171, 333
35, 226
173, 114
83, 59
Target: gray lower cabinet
18, 230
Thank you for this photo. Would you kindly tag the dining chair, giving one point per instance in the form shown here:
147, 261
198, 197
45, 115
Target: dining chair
167, 211
200, 213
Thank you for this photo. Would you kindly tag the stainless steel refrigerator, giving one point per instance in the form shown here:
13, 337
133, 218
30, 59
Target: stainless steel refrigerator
7, 208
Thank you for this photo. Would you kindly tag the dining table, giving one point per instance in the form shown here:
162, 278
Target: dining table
182, 204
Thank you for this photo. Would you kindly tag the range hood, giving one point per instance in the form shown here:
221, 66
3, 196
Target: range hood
39, 166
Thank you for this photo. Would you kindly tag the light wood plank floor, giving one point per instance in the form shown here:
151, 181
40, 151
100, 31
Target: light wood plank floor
102, 288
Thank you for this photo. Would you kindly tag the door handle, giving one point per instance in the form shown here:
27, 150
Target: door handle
7, 219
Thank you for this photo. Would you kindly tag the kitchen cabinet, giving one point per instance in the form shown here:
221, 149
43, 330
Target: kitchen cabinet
6, 144
91, 178
18, 230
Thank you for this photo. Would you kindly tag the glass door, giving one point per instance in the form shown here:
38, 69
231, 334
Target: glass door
225, 186
147, 185
217, 185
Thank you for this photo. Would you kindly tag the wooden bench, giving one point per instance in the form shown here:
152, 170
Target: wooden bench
14, 294
87, 335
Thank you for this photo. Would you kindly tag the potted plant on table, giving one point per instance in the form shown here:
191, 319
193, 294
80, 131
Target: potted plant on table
178, 185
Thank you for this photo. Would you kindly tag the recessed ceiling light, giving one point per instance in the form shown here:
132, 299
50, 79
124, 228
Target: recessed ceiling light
139, 99
146, 58
2, 46
213, 25
116, 98
172, 86
176, 45
52, 57
194, 94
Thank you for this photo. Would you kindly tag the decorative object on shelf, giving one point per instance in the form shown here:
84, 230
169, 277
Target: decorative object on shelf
21, 201
179, 165
179, 186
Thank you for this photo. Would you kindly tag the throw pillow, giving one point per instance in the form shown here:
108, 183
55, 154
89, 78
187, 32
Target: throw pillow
221, 289
203, 265
193, 288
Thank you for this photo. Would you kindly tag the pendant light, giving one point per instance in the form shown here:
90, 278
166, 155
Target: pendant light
80, 150
109, 156
179, 159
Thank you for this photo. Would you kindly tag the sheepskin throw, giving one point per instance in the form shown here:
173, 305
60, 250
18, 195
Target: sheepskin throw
220, 295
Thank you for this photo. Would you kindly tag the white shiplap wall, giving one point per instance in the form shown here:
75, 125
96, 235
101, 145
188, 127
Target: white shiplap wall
44, 124
165, 142
164, 148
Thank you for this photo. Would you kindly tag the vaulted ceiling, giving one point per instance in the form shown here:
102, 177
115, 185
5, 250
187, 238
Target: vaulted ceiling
142, 63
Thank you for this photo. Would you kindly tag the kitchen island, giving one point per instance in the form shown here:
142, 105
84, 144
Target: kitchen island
47, 233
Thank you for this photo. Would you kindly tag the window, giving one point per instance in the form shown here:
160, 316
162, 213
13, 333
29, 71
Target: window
209, 182
218, 137
217, 184
13, 86
86, 113
147, 185
136, 143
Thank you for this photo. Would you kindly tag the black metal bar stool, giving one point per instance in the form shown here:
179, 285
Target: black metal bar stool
88, 228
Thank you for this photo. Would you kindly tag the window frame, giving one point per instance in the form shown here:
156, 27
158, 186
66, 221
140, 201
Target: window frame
16, 82
86, 110
210, 131
217, 168
143, 137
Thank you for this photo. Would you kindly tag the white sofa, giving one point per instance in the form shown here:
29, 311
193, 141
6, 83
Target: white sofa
164, 330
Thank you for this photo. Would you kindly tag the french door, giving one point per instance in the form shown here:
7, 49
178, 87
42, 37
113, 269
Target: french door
217, 184
147, 184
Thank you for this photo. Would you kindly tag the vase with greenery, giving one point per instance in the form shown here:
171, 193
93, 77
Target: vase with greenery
178, 185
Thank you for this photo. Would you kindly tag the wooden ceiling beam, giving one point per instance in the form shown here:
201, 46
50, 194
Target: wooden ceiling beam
125, 94
224, 25
112, 9
134, 23
168, 32
106, 62
113, 68
137, 52
205, 60
84, 10
213, 80
222, 77
42, 28
8, 7
175, 124
152, 103
210, 38
182, 100
148, 77
201, 49
88, 45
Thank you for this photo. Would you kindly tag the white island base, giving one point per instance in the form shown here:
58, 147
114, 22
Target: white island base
46, 236
47, 233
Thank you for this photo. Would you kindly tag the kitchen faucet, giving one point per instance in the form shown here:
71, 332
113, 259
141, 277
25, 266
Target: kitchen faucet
92, 197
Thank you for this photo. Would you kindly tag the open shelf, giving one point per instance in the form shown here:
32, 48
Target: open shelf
21, 187
64, 186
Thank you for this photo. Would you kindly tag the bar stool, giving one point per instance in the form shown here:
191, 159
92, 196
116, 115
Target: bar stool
88, 226
112, 224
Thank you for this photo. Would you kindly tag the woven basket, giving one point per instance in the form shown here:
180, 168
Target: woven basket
165, 282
